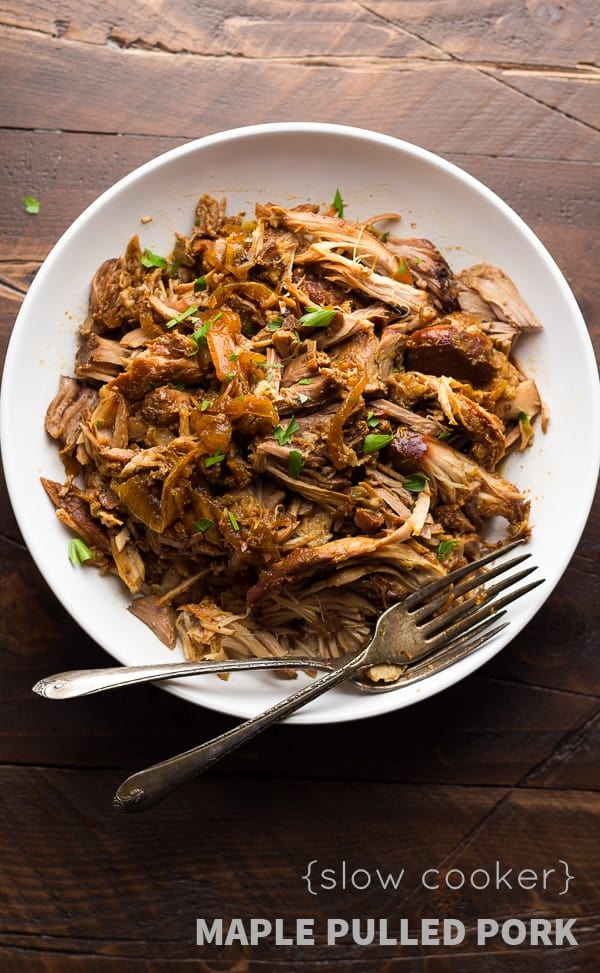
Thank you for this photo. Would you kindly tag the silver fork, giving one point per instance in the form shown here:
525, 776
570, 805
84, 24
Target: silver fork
84, 682
412, 630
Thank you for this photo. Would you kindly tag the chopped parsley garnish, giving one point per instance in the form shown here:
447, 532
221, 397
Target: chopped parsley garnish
149, 259
180, 386
78, 552
230, 376
284, 435
317, 317
372, 420
295, 463
192, 309
523, 417
305, 381
203, 525
232, 520
200, 284
206, 404
275, 324
444, 434
401, 267
444, 548
234, 357
199, 335
32, 206
215, 458
416, 482
338, 204
376, 441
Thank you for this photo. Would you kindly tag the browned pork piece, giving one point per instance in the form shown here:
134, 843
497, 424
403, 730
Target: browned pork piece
423, 262
100, 359
454, 346
73, 404
458, 480
488, 292
287, 427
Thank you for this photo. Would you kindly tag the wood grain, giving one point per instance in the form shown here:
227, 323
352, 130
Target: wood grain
56, 825
500, 768
488, 116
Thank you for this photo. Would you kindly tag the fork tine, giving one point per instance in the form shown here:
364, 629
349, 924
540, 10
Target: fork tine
486, 610
417, 598
470, 605
471, 581
453, 652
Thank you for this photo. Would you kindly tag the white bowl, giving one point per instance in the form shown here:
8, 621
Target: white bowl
290, 164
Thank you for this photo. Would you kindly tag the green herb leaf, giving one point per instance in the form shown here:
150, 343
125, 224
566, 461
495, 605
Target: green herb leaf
192, 309
523, 417
232, 520
317, 317
180, 386
203, 525
149, 259
199, 335
275, 324
444, 434
200, 284
206, 404
282, 435
372, 420
445, 548
374, 442
78, 552
295, 463
416, 482
215, 458
31, 205
305, 381
338, 204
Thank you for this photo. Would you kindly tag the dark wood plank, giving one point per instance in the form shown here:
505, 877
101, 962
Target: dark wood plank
571, 93
560, 648
251, 29
502, 768
487, 115
75, 171
574, 764
536, 34
145, 886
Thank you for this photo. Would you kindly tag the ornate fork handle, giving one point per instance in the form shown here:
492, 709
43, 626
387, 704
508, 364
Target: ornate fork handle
85, 682
147, 787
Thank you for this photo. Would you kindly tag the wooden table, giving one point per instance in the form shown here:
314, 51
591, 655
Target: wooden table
500, 772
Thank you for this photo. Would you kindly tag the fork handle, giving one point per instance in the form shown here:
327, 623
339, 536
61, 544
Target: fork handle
147, 787
84, 682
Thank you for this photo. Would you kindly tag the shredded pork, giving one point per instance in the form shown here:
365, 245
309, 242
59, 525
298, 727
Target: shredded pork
287, 425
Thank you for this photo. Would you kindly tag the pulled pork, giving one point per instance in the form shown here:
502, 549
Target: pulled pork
288, 424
